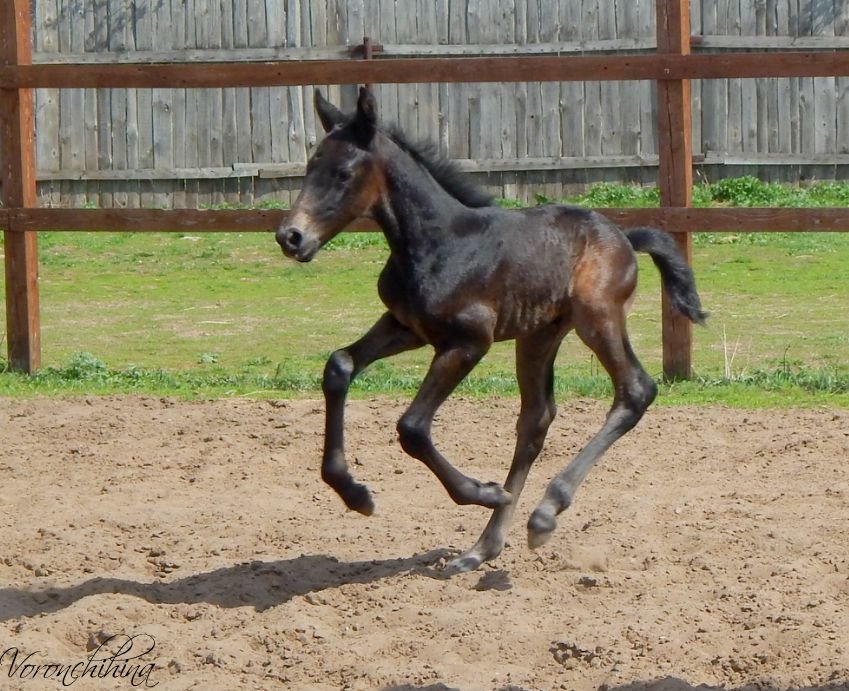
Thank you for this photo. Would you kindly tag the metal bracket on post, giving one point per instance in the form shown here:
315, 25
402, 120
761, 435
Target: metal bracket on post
366, 51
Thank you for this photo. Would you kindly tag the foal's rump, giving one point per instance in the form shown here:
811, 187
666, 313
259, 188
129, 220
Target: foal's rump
602, 266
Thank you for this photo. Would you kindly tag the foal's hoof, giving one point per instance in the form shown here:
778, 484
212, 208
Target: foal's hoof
541, 525
463, 564
488, 494
494, 496
358, 498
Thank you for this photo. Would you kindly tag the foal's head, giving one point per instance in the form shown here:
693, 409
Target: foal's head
342, 182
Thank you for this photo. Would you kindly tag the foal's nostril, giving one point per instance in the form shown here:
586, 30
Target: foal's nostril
289, 239
294, 238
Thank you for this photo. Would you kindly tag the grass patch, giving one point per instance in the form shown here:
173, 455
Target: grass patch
225, 314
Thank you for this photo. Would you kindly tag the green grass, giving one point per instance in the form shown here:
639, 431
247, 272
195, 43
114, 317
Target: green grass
226, 314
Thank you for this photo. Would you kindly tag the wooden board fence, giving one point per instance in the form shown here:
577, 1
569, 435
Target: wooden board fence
214, 137
420, 83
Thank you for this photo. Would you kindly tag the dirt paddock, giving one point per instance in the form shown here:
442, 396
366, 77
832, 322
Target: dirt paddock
710, 550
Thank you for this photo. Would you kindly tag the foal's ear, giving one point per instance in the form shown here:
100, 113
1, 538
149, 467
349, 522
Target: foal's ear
328, 114
366, 116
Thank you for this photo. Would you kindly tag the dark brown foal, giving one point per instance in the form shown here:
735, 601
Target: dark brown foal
462, 274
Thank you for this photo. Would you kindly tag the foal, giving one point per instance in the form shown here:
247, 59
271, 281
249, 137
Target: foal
462, 274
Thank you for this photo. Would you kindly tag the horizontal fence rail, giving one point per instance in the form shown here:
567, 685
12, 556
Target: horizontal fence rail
495, 165
534, 68
671, 219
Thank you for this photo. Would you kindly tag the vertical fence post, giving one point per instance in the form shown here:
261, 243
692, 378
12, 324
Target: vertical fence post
17, 189
675, 173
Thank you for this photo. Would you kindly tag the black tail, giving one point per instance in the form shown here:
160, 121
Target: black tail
677, 276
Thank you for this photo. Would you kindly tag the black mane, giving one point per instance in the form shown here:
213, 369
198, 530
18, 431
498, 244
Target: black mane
442, 169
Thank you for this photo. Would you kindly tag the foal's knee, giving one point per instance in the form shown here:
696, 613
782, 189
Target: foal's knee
338, 373
636, 398
414, 439
644, 392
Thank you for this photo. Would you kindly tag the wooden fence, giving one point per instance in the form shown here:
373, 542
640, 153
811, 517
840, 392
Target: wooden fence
177, 148
672, 67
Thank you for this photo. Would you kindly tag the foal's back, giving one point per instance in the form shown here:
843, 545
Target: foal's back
530, 266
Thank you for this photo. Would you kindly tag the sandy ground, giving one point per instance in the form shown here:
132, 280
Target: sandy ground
709, 550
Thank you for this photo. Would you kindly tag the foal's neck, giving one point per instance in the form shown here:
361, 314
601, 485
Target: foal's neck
416, 210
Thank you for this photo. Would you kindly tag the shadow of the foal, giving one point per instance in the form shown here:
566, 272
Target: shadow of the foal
261, 584
665, 684
675, 684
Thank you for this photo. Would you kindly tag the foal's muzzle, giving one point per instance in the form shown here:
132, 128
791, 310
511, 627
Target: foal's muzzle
295, 244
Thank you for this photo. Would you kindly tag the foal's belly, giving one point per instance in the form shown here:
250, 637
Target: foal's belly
507, 305
517, 319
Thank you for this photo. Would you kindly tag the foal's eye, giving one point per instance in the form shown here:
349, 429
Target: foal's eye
344, 175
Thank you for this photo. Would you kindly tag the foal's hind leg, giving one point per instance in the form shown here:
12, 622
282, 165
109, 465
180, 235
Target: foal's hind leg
535, 373
603, 330
447, 370
387, 337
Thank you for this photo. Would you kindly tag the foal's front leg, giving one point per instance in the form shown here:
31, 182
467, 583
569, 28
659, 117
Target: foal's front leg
387, 337
447, 370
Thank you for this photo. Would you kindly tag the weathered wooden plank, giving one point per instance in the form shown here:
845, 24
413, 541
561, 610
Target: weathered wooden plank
573, 106
496, 165
713, 91
516, 186
648, 94
256, 111
241, 96
748, 88
487, 121
427, 95
72, 125
408, 102
449, 49
594, 120
457, 133
86, 30
278, 98
627, 23
161, 104
534, 146
610, 91
229, 99
779, 101
780, 42
116, 140
825, 98
550, 111
509, 33
385, 33
295, 102
841, 30
215, 102
47, 100
345, 94
807, 92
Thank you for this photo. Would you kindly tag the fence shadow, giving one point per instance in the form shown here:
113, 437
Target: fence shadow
261, 584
